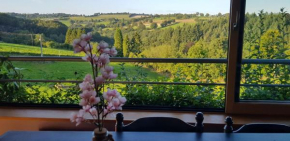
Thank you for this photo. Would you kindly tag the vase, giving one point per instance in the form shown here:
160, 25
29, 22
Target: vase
102, 135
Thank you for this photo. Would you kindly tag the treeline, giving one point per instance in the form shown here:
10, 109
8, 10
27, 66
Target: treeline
33, 32
266, 37
205, 39
23, 31
74, 33
37, 15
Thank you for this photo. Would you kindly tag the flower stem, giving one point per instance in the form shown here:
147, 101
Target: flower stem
95, 73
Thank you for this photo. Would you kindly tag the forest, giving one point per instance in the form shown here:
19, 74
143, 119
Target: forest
198, 35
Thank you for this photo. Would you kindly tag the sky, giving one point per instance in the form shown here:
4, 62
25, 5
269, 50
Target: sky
89, 7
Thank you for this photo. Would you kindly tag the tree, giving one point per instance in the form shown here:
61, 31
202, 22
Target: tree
73, 33
153, 25
118, 40
126, 46
72, 22
141, 26
135, 43
67, 36
163, 24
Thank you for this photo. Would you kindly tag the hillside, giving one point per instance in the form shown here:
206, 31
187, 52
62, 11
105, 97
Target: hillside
13, 24
26, 50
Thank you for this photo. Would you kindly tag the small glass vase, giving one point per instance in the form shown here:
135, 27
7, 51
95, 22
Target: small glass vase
102, 135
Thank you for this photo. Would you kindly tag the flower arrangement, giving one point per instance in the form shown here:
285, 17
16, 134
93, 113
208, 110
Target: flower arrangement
93, 101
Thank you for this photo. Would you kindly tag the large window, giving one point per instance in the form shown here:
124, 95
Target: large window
170, 57
185, 55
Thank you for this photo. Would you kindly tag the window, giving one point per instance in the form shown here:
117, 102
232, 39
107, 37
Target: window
262, 66
198, 57
168, 59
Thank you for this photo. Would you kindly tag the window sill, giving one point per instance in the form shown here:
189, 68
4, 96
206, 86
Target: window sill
131, 115
32, 119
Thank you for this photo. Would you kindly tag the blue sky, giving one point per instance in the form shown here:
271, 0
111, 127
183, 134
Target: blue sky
89, 7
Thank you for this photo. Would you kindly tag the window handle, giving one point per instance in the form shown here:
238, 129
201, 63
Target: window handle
236, 24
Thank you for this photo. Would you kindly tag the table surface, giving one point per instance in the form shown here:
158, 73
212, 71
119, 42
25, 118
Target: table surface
141, 136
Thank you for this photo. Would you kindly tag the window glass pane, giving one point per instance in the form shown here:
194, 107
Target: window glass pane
186, 29
266, 36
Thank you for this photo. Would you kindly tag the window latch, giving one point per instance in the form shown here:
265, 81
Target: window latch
236, 24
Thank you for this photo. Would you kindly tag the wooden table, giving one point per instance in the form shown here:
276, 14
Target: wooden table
140, 136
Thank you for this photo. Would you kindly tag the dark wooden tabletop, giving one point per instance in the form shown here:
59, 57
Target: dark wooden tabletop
141, 136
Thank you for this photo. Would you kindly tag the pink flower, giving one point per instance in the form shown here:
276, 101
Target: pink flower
89, 58
81, 113
87, 108
116, 102
110, 107
88, 78
105, 74
108, 68
76, 42
106, 50
95, 59
77, 47
83, 44
122, 100
113, 51
73, 117
105, 59
113, 76
113, 93
102, 45
83, 102
105, 96
94, 111
88, 48
99, 80
79, 120
86, 86
87, 36
94, 100
109, 75
87, 94
119, 108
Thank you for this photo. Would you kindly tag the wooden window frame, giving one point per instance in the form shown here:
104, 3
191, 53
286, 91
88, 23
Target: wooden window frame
233, 104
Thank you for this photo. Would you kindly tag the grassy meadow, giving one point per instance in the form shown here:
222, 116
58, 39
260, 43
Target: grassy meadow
51, 70
121, 16
126, 17
26, 50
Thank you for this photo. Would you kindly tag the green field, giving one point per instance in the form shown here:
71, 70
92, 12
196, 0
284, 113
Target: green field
66, 22
64, 70
123, 16
26, 50
173, 25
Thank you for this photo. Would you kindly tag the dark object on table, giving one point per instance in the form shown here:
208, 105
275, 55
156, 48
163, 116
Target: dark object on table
229, 125
159, 124
256, 128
